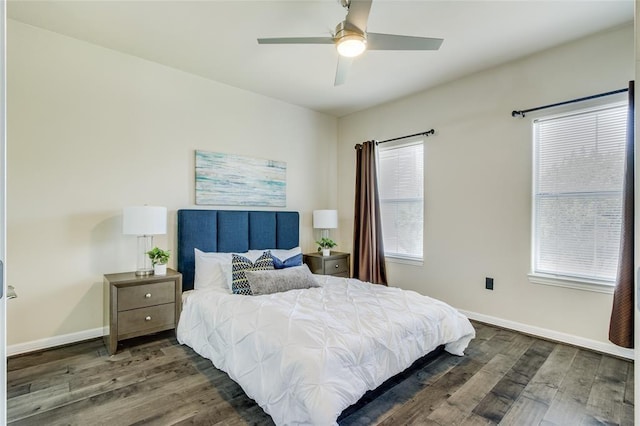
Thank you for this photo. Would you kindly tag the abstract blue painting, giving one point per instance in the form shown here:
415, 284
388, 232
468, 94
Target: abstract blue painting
235, 180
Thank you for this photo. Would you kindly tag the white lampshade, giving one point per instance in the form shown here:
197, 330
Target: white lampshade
144, 220
325, 219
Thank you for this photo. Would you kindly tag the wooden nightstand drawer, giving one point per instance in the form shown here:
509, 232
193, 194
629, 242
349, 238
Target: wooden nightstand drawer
140, 296
336, 266
140, 320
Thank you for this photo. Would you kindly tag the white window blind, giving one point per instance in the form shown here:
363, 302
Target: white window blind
578, 177
400, 186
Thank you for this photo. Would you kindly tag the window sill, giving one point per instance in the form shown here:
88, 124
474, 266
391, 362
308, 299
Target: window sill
574, 283
404, 260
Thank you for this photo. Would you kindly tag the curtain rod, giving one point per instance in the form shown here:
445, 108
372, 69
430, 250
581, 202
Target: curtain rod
521, 113
425, 133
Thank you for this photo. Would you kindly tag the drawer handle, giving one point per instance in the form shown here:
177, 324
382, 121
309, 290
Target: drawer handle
148, 318
147, 296
337, 266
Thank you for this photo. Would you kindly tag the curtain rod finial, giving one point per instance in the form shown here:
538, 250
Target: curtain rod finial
515, 113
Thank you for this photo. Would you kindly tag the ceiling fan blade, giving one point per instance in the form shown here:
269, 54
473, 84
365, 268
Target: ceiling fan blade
296, 40
358, 14
377, 41
344, 64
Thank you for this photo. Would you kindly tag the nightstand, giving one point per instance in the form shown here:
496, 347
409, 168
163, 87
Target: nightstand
338, 264
137, 306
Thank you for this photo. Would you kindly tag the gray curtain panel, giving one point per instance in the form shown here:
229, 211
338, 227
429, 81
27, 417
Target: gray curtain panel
621, 325
368, 248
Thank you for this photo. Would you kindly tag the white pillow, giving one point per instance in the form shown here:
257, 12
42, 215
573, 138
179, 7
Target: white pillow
286, 254
212, 270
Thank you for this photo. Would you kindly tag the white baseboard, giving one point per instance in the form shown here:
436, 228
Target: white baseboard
50, 342
608, 348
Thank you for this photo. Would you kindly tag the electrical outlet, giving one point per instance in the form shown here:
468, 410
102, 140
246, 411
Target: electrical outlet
488, 283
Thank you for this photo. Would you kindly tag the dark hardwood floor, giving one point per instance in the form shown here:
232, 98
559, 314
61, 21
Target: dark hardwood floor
505, 378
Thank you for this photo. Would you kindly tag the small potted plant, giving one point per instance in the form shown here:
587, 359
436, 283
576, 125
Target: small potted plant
159, 259
325, 245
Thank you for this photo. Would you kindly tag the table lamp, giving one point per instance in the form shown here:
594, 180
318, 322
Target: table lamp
325, 220
145, 222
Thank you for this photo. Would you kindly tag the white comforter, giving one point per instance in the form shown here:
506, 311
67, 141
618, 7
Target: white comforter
306, 355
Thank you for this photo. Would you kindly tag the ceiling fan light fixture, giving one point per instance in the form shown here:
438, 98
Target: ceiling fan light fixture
351, 45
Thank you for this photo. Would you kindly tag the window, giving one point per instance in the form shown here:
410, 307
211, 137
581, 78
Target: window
577, 196
400, 186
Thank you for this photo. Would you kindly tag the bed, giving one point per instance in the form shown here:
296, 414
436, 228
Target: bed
306, 354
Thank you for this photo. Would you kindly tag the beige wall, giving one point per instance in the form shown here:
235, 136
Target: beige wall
90, 131
478, 182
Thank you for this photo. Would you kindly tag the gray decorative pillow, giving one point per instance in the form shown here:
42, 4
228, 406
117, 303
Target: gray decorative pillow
278, 280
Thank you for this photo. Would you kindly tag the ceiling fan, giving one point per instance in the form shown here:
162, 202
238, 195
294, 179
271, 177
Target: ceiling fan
352, 39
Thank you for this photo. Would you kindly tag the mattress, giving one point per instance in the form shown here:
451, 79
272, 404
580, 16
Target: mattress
306, 355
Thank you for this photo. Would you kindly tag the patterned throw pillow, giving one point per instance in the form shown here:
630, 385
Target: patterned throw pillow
240, 264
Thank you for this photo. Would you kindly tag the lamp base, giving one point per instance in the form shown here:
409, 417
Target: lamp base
144, 267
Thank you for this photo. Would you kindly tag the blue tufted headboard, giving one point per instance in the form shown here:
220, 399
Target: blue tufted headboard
232, 231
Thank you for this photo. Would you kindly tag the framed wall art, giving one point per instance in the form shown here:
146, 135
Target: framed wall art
235, 180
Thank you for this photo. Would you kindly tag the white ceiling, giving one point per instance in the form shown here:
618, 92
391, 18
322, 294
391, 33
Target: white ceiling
217, 40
